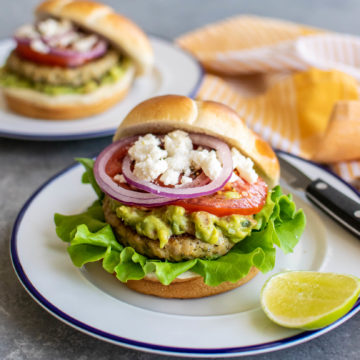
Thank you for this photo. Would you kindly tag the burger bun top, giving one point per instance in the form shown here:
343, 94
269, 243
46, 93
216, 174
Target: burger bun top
162, 114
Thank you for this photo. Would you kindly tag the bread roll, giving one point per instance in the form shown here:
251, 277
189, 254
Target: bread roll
186, 288
165, 113
38, 105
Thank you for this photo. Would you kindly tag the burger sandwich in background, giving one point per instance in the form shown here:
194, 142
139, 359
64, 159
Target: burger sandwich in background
78, 59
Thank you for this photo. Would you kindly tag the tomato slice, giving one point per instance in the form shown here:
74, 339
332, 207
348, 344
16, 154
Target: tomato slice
252, 197
251, 201
25, 52
114, 165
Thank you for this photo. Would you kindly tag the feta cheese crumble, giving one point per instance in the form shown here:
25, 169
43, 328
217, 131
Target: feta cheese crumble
150, 169
120, 178
207, 161
39, 46
244, 166
58, 34
234, 178
85, 43
147, 147
49, 27
175, 162
186, 180
170, 177
177, 142
174, 159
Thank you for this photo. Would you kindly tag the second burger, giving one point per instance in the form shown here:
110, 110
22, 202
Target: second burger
77, 60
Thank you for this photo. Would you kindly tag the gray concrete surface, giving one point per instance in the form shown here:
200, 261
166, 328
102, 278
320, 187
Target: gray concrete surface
29, 332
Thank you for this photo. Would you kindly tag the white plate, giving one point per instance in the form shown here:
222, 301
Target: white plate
175, 72
94, 302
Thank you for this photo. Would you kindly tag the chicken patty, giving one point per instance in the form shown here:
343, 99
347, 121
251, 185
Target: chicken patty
178, 248
56, 75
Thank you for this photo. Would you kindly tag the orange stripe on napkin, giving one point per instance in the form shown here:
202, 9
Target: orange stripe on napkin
349, 171
218, 46
288, 82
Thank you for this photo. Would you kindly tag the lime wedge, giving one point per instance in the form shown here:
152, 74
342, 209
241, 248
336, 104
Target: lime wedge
307, 299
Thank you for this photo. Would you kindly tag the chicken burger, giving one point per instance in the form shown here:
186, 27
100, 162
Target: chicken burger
188, 202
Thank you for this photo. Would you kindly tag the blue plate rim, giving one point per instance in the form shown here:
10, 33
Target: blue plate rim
229, 351
108, 132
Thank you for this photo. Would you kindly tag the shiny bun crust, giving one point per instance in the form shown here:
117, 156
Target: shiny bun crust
35, 104
165, 113
186, 288
101, 19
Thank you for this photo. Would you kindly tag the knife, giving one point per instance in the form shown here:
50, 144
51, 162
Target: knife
333, 202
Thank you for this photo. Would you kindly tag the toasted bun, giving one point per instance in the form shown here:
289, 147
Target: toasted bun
193, 287
38, 105
101, 19
165, 113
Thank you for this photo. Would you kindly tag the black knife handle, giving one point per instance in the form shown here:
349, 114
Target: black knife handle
335, 204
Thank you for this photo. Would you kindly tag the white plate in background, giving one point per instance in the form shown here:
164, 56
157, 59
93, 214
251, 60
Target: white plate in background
175, 72
229, 324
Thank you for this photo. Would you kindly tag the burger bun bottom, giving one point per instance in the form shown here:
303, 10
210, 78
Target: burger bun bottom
186, 288
34, 104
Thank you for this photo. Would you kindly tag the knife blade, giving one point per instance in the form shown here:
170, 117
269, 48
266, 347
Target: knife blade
334, 203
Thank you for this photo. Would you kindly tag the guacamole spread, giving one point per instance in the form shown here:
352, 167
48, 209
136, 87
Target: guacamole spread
11, 79
161, 223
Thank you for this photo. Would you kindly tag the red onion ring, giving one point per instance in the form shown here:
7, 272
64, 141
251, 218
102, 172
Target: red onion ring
57, 37
45, 39
98, 50
23, 40
74, 57
200, 180
115, 191
183, 192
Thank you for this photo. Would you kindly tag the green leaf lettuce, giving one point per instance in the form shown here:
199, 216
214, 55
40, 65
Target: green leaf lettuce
91, 239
